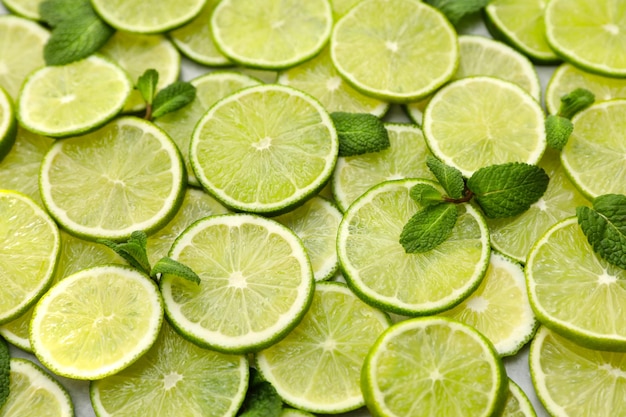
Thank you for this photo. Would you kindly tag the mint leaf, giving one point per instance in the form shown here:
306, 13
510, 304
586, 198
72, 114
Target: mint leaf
455, 10
171, 267
507, 190
558, 131
147, 84
449, 177
429, 227
425, 194
359, 133
54, 12
261, 400
5, 371
172, 98
575, 101
133, 251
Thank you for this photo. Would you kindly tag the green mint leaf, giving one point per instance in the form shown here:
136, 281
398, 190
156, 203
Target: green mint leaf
133, 251
449, 177
455, 10
54, 12
5, 371
171, 267
605, 227
558, 131
429, 227
575, 101
425, 194
147, 84
172, 98
359, 133
507, 190
261, 400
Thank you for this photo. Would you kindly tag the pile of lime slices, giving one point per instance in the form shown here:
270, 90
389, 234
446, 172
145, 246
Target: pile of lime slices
186, 228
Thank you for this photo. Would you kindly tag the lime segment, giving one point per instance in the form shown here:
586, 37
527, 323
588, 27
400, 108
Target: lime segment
8, 124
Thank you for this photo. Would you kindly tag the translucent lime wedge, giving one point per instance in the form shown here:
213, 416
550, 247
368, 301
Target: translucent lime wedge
8, 124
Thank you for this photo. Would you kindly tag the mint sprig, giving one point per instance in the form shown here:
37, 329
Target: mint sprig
169, 99
559, 127
455, 10
261, 400
359, 133
5, 371
429, 227
449, 177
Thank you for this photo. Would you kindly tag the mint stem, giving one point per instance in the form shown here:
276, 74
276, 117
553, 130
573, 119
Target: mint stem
467, 196
148, 115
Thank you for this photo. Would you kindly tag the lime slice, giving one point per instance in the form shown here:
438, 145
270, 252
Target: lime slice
575, 292
195, 39
34, 393
136, 169
574, 29
294, 412
499, 308
405, 158
8, 124
415, 110
520, 23
257, 283
593, 157
566, 78
514, 236
147, 17
381, 47
572, 381
341, 7
210, 88
21, 51
25, 8
517, 403
71, 99
316, 223
319, 78
174, 378
19, 170
196, 205
29, 248
271, 34
433, 366
480, 121
379, 270
317, 367
137, 53
96, 322
268, 160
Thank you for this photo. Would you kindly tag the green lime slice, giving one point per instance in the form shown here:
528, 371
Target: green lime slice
34, 393
317, 367
572, 381
29, 248
71, 99
256, 283
174, 378
380, 47
593, 157
124, 312
480, 121
294, 412
272, 34
341, 7
517, 403
136, 169
268, 160
575, 292
25, 8
8, 124
433, 366
409, 283
575, 28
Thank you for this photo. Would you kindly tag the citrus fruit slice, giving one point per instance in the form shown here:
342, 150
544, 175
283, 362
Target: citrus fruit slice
96, 322
330, 344
517, 403
405, 158
499, 308
147, 17
256, 283
381, 47
520, 23
433, 366
316, 223
480, 121
8, 124
409, 283
574, 29
572, 381
341, 7
271, 34
137, 53
294, 412
70, 99
29, 248
24, 8
575, 292
210, 88
34, 393
319, 78
136, 169
21, 46
269, 160
174, 378
594, 154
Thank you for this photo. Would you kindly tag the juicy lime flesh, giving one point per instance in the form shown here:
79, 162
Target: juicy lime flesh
26, 8
574, 290
175, 377
595, 153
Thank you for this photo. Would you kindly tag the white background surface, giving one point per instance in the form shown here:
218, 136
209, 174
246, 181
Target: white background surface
517, 367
